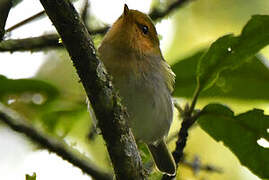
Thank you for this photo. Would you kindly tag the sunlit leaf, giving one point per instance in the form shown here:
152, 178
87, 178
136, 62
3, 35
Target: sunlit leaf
230, 51
240, 134
63, 118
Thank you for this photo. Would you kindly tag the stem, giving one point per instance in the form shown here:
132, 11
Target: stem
31, 44
194, 100
157, 14
37, 15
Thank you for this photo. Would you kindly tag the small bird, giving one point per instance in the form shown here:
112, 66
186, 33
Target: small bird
131, 54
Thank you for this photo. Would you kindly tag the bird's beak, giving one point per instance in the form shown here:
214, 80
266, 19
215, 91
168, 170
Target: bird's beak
126, 10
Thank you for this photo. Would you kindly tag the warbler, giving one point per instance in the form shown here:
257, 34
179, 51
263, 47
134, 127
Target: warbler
131, 54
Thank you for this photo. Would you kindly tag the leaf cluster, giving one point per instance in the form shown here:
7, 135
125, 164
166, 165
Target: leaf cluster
231, 68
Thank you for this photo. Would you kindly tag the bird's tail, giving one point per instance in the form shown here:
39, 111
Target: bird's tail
163, 158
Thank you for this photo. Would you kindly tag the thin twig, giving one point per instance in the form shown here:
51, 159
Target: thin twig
194, 100
156, 14
59, 147
178, 107
38, 43
25, 21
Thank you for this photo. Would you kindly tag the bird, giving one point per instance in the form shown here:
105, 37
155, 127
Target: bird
131, 53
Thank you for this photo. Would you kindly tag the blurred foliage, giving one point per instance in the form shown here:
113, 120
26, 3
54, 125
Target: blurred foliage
68, 116
203, 21
62, 119
22, 86
244, 132
29, 177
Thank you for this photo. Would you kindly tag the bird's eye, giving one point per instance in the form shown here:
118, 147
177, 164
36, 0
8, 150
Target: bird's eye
145, 29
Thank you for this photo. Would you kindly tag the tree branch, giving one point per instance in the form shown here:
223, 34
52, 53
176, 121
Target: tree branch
35, 16
25, 21
155, 15
38, 43
31, 44
5, 6
59, 147
106, 104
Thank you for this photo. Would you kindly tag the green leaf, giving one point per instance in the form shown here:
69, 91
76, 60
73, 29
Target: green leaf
230, 51
29, 177
20, 86
62, 118
240, 134
145, 154
185, 70
231, 84
155, 175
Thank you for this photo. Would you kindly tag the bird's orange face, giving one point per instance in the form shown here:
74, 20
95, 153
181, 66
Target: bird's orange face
134, 31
